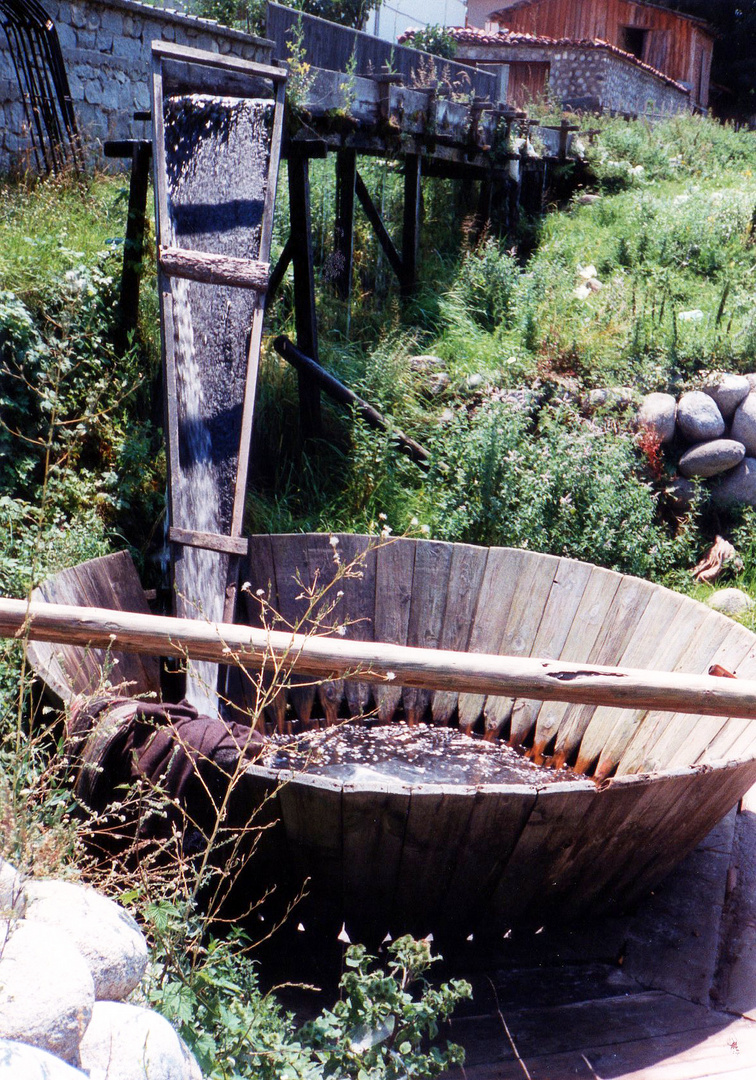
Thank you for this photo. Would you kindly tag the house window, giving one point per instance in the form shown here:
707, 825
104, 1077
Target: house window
633, 40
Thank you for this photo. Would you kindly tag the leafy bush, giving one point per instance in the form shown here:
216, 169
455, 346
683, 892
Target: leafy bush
436, 40
486, 285
552, 483
376, 1031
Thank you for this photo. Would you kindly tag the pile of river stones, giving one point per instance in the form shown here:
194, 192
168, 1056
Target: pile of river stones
715, 428
69, 957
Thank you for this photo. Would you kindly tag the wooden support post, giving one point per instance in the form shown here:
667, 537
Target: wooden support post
346, 176
140, 152
278, 272
379, 228
411, 230
304, 289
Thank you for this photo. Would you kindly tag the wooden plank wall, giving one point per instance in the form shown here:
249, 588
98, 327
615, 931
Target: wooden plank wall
677, 46
332, 47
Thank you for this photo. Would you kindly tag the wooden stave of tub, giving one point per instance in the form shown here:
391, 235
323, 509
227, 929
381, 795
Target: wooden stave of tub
458, 860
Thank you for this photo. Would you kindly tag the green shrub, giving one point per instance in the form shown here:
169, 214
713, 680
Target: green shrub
486, 285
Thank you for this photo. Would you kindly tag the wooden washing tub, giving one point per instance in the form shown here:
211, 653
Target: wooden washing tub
399, 856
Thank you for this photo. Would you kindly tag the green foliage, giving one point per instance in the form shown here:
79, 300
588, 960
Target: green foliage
249, 15
377, 1030
551, 482
487, 285
434, 39
352, 13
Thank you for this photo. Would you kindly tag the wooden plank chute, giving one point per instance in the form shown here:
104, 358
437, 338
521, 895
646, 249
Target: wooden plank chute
218, 123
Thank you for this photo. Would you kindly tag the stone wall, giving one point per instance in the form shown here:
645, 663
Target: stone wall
106, 49
598, 79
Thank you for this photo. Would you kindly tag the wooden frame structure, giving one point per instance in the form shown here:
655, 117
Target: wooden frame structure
178, 73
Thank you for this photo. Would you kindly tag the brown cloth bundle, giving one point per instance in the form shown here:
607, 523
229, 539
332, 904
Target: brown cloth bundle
185, 757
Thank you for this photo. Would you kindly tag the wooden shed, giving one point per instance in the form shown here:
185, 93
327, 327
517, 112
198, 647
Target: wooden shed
675, 44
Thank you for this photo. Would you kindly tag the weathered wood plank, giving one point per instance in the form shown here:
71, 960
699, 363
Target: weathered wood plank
587, 624
563, 601
503, 569
213, 269
359, 603
629, 603
261, 609
295, 607
528, 603
430, 580
323, 562
395, 564
230, 545
465, 576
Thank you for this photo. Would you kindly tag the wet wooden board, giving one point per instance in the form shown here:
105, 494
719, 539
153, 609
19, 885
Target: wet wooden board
393, 596
359, 607
534, 585
430, 580
524, 887
714, 639
561, 607
495, 825
375, 820
437, 827
630, 601
586, 627
109, 582
465, 576
502, 573
609, 729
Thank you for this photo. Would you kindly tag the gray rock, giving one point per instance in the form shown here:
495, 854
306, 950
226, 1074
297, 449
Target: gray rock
711, 458
751, 376
105, 934
474, 382
681, 493
21, 1062
46, 989
730, 601
126, 1042
744, 424
738, 486
698, 417
438, 383
728, 392
425, 363
12, 890
657, 414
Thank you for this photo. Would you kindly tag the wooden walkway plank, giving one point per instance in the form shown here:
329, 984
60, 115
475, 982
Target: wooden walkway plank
430, 582
626, 610
395, 563
359, 607
525, 614
466, 572
714, 640
586, 626
563, 601
610, 729
502, 573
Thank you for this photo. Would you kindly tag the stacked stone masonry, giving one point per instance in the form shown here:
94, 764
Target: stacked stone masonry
106, 50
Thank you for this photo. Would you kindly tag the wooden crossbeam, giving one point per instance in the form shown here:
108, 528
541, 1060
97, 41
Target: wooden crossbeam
214, 269
379, 228
228, 545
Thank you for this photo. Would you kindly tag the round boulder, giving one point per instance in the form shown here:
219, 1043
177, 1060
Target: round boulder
738, 486
21, 1062
728, 392
744, 424
681, 494
425, 363
711, 458
126, 1042
698, 417
46, 989
105, 934
657, 415
730, 601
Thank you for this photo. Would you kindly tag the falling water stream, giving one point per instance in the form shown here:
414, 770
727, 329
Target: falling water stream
216, 163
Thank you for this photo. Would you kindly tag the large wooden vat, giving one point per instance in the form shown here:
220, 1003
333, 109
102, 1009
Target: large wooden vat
467, 859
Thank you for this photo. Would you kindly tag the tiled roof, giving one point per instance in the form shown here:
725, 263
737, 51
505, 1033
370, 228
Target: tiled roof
470, 35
